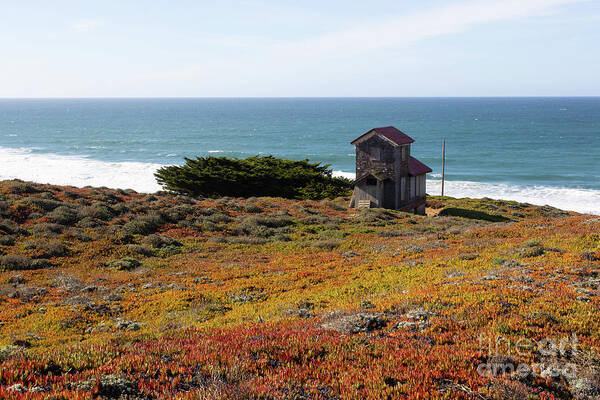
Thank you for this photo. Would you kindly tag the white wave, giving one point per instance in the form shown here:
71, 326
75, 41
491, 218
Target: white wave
83, 171
216, 151
77, 171
580, 200
343, 174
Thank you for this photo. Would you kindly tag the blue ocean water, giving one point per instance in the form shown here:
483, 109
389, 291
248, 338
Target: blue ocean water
540, 150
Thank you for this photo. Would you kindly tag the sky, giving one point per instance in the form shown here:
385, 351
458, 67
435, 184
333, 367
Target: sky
284, 48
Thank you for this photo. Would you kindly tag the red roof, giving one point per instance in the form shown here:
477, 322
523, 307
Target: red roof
391, 133
416, 167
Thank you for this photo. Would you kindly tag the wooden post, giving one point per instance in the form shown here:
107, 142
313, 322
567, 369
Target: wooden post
443, 164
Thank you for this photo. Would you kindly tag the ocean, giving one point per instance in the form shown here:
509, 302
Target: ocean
536, 150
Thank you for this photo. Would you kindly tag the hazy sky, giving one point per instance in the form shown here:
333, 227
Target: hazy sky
299, 48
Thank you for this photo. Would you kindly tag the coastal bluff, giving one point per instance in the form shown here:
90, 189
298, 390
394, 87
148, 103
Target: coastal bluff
110, 293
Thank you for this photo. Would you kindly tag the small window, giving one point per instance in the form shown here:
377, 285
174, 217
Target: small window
376, 153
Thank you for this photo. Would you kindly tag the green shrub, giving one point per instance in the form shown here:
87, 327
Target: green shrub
14, 262
19, 187
498, 260
160, 241
7, 226
64, 215
7, 240
78, 234
253, 208
178, 213
89, 222
46, 229
253, 176
120, 209
532, 243
144, 225
533, 251
218, 218
375, 216
208, 226
139, 249
120, 237
40, 264
98, 211
204, 210
170, 250
259, 226
472, 214
42, 204
124, 264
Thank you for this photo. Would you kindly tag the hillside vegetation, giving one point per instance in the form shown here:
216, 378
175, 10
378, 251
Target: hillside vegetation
115, 294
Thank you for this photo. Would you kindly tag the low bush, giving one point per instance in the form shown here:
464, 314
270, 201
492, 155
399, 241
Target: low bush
46, 229
160, 241
15, 262
178, 213
204, 210
7, 226
19, 187
532, 251
375, 216
253, 208
89, 222
78, 234
144, 225
218, 218
7, 240
123, 264
259, 226
253, 176
170, 250
139, 249
42, 204
472, 214
64, 215
98, 211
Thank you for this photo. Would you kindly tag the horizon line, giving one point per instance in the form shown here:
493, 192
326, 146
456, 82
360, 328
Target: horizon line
291, 97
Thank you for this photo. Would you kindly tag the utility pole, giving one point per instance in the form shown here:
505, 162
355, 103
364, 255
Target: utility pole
443, 164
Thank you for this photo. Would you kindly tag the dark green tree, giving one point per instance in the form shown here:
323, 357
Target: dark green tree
252, 176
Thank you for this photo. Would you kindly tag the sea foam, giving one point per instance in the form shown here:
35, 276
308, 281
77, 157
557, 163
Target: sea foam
83, 171
76, 170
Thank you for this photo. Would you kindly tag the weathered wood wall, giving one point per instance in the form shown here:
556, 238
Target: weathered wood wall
375, 154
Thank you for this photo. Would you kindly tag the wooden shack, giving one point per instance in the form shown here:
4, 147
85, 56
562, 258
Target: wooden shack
387, 176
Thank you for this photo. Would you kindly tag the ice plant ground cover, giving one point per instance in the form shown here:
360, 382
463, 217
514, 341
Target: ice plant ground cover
114, 294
